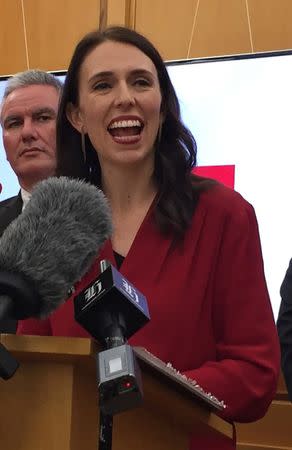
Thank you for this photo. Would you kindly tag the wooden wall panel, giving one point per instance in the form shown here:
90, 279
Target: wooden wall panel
117, 11
180, 29
12, 45
271, 24
221, 28
54, 27
168, 24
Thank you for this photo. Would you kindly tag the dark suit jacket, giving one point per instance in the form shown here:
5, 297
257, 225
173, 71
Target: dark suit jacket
9, 210
284, 324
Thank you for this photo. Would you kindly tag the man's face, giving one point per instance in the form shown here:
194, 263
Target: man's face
28, 119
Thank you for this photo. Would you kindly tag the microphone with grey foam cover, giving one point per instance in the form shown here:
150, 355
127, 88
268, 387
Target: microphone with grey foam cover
50, 246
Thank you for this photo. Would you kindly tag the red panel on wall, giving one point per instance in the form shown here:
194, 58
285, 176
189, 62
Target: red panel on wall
224, 174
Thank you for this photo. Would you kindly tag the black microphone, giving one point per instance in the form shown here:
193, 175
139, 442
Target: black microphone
111, 309
50, 246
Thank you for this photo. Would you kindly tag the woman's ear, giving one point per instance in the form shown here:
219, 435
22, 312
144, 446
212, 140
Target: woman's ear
75, 118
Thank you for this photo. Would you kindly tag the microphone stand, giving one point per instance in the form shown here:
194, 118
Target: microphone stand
106, 420
119, 377
105, 431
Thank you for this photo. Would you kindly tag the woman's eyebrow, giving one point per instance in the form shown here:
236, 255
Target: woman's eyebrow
109, 73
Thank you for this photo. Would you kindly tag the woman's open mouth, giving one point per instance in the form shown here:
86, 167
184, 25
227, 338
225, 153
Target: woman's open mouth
126, 131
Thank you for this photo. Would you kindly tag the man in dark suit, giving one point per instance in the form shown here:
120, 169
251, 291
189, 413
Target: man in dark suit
284, 325
28, 119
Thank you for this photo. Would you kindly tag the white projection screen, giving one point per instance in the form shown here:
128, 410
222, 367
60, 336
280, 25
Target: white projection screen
239, 111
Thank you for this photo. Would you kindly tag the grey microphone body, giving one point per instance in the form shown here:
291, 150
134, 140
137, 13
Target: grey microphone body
50, 246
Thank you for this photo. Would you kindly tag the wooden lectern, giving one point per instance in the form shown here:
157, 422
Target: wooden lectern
51, 402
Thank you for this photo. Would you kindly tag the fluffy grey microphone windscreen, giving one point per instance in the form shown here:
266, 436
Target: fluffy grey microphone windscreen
53, 243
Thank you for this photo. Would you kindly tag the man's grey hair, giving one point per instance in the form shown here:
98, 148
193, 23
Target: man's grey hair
31, 77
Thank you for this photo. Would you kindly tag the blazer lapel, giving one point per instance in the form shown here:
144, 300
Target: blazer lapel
9, 211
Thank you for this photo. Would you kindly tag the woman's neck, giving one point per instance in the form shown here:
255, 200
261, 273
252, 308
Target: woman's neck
130, 191
128, 188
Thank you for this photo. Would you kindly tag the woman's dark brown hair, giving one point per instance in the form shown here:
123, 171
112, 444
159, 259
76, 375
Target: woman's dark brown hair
175, 155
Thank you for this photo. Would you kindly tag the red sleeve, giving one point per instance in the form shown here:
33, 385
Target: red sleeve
34, 327
248, 358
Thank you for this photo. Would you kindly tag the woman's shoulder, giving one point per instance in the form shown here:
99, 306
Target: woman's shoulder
225, 201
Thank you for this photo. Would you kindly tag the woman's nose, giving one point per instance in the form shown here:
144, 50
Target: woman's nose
124, 95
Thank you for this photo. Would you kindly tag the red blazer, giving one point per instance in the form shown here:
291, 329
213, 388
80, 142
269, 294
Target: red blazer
210, 311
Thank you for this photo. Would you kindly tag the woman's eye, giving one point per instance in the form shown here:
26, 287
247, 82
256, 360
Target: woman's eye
101, 86
142, 82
